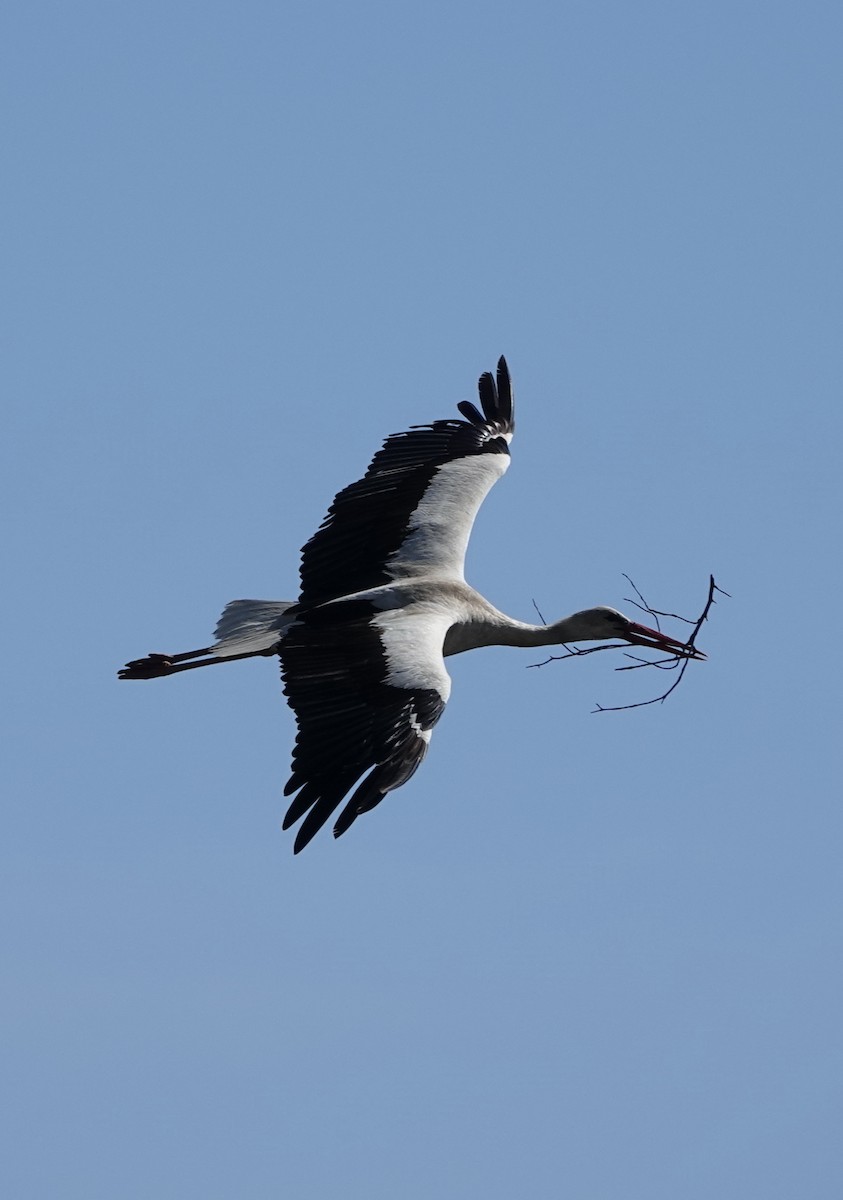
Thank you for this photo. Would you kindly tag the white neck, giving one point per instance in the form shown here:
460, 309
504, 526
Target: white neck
500, 630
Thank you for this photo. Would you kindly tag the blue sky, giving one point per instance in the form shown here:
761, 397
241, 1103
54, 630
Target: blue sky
579, 955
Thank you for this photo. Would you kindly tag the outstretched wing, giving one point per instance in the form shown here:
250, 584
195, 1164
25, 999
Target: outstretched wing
367, 687
411, 514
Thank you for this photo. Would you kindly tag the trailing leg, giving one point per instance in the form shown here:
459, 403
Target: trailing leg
246, 629
156, 665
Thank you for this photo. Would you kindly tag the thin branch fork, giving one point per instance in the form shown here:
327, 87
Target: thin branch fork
675, 662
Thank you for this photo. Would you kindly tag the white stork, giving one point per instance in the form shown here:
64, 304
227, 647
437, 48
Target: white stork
383, 601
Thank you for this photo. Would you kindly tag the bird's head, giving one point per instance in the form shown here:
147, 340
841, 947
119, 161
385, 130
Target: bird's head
600, 623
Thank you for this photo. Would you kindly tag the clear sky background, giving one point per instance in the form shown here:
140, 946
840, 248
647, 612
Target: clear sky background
590, 956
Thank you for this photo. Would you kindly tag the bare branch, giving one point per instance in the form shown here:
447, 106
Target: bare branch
680, 661
577, 652
654, 612
539, 611
661, 664
675, 662
600, 708
644, 606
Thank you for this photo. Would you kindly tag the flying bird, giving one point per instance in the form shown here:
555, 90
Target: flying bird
383, 602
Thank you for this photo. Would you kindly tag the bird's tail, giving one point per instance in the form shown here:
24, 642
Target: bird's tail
250, 626
245, 629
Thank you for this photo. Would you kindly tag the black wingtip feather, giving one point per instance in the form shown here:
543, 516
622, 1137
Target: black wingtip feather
300, 804
504, 390
470, 412
346, 819
496, 394
315, 819
488, 393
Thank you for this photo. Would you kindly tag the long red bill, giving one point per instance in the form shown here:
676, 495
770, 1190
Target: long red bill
642, 635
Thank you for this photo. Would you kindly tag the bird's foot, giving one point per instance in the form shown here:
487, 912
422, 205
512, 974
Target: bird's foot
150, 667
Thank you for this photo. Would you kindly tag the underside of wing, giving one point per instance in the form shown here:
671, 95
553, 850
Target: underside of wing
366, 695
411, 514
